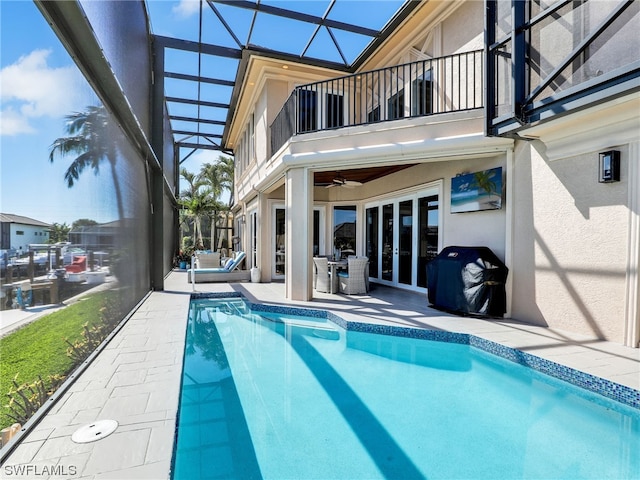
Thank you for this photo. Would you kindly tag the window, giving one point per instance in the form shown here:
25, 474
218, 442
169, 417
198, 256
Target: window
335, 110
280, 241
372, 241
428, 212
307, 111
251, 139
344, 230
254, 238
421, 95
374, 115
19, 232
316, 232
395, 106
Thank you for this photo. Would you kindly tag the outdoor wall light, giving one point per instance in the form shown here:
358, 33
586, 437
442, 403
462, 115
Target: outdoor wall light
609, 166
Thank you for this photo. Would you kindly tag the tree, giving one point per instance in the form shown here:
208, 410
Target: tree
91, 139
59, 232
196, 201
218, 177
83, 222
226, 171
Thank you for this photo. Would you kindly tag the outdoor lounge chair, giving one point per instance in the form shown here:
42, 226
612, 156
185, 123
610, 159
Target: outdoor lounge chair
353, 281
207, 259
229, 273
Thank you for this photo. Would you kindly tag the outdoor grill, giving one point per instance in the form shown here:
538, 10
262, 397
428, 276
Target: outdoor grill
467, 281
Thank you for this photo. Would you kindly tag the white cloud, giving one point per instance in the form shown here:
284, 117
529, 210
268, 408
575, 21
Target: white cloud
36, 90
186, 8
12, 123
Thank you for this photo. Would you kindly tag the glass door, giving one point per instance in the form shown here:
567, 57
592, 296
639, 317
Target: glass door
405, 242
402, 235
388, 245
253, 218
279, 243
372, 240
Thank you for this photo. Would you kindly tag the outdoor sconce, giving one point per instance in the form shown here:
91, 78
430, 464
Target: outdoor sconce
609, 166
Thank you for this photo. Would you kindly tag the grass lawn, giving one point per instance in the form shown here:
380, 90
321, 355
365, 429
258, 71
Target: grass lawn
40, 347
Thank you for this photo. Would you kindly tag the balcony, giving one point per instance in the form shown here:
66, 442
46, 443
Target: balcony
427, 87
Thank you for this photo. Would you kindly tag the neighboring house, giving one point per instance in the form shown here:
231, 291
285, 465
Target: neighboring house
434, 142
96, 237
17, 232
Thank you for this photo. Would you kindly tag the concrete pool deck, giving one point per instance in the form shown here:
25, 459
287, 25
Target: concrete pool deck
135, 380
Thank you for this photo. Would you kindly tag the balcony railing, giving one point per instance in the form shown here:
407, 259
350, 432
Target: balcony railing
427, 87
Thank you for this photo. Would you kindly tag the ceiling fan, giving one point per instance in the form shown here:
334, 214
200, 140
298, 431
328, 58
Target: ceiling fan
340, 181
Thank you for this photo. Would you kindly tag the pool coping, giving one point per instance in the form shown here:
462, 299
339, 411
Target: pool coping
609, 389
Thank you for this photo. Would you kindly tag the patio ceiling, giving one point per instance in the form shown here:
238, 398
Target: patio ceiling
362, 175
201, 97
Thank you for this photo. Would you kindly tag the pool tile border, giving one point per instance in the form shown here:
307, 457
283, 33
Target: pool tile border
611, 390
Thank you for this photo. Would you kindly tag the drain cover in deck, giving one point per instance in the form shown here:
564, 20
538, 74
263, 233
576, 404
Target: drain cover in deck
94, 431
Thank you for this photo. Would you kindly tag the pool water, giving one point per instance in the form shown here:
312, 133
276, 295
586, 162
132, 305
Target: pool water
270, 395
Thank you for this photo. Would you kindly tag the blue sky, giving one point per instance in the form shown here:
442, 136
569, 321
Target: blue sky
39, 84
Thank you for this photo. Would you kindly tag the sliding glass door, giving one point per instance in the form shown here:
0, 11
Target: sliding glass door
402, 235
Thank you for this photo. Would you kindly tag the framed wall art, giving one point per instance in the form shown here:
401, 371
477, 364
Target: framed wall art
473, 192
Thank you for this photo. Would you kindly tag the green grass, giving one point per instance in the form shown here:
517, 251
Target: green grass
40, 348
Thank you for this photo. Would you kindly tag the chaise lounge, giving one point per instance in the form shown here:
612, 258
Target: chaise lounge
229, 273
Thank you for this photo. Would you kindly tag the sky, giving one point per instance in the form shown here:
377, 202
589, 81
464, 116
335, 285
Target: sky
39, 85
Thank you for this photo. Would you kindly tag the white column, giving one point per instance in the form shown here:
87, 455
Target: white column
265, 236
299, 225
509, 228
632, 310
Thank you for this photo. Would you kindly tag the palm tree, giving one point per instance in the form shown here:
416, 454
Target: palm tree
196, 201
226, 169
219, 177
210, 176
91, 139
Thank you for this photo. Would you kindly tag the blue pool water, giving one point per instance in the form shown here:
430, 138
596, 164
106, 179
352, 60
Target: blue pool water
278, 396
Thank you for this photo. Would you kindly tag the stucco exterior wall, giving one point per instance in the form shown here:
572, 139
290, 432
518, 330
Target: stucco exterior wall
464, 30
29, 234
570, 243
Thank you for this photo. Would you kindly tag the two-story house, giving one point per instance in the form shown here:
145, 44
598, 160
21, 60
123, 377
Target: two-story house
511, 125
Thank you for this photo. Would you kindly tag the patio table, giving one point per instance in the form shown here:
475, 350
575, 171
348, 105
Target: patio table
334, 265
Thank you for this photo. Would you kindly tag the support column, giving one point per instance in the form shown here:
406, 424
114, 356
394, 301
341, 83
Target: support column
265, 253
299, 228
632, 310
510, 202
156, 179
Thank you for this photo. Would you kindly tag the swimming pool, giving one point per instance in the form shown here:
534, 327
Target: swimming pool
268, 394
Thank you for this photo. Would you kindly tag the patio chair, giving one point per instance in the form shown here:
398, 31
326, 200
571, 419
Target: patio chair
322, 280
229, 273
353, 281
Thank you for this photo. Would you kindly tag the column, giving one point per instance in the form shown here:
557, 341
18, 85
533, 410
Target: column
299, 225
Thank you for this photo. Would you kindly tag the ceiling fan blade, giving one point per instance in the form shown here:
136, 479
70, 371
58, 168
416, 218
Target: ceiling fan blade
352, 183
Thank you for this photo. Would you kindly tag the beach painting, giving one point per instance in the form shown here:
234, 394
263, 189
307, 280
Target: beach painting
472, 192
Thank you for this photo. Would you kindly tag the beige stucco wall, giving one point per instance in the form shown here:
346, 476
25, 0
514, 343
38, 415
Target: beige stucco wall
463, 30
484, 228
570, 243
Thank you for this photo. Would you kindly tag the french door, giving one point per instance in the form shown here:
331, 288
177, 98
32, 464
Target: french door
402, 235
279, 239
